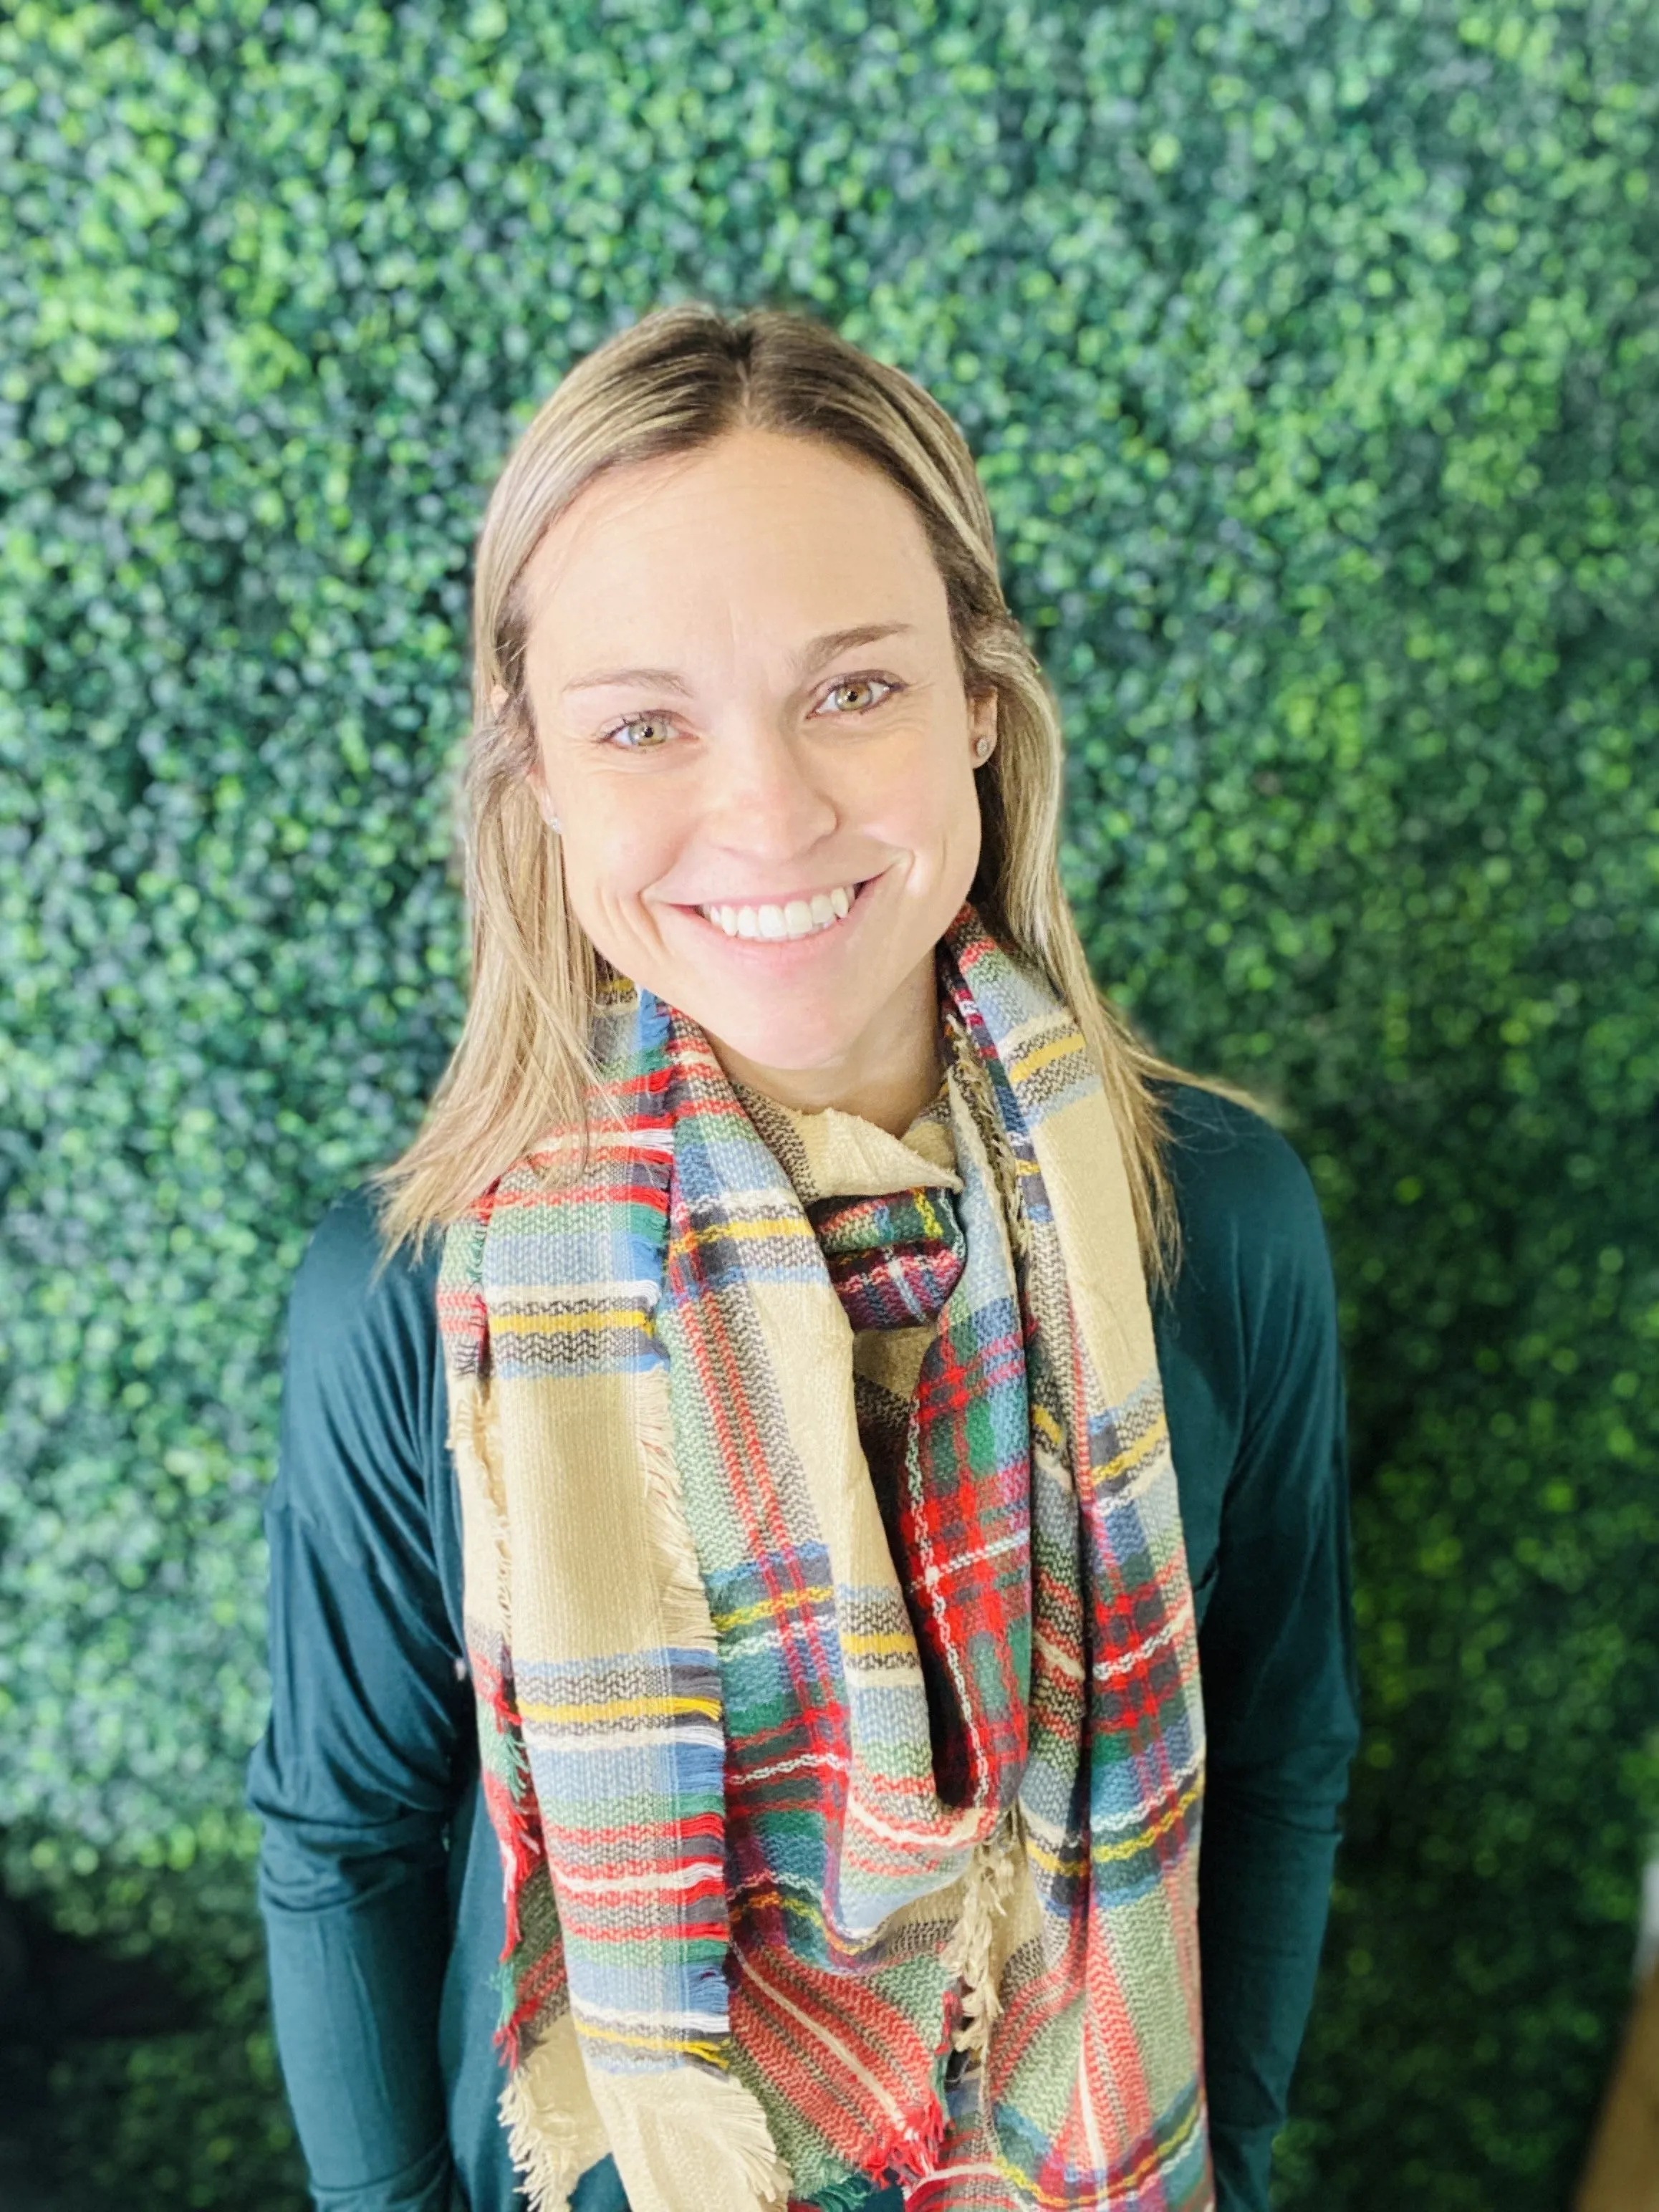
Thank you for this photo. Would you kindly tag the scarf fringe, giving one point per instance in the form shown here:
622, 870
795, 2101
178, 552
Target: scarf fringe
472, 1431
511, 1802
911, 2151
679, 1576
908, 2154
978, 1096
688, 2139
970, 1952
546, 2139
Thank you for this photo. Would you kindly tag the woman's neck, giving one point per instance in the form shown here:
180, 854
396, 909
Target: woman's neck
894, 1070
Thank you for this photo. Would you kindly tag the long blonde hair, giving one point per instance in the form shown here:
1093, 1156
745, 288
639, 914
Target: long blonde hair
676, 379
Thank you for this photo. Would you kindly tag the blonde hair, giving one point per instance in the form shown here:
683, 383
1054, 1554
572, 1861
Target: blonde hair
676, 379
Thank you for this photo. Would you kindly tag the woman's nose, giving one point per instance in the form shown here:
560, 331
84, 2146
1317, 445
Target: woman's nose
766, 798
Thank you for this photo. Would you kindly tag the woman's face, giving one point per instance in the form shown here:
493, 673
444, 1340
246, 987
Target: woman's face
753, 734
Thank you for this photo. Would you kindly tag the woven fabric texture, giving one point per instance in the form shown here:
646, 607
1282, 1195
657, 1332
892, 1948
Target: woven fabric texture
845, 1752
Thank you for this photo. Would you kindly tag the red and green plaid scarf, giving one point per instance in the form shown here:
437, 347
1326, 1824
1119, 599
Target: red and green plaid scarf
848, 1783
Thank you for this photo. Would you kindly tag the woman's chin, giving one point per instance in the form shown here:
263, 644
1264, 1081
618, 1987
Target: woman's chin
795, 1041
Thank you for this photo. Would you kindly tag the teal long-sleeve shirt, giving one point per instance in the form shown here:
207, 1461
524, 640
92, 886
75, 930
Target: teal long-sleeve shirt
378, 1879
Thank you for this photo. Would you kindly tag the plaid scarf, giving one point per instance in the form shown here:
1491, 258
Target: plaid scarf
846, 1771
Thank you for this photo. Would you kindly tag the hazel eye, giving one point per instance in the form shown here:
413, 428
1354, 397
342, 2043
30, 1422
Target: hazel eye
883, 684
617, 734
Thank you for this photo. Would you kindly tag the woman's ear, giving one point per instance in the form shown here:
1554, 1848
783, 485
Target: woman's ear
982, 725
538, 788
535, 779
533, 774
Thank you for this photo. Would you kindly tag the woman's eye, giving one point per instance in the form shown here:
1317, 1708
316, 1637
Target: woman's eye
617, 734
649, 733
882, 683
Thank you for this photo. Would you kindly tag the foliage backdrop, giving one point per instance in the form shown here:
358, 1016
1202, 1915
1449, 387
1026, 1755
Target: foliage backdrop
1310, 351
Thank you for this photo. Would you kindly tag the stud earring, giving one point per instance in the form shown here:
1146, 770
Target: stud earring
982, 749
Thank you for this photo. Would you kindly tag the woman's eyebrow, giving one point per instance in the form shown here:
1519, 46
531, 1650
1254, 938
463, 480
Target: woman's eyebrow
809, 657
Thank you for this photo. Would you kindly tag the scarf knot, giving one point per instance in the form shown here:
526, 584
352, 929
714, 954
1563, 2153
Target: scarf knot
895, 1258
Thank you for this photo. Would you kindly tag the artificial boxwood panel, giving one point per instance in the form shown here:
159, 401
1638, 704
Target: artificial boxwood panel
1309, 352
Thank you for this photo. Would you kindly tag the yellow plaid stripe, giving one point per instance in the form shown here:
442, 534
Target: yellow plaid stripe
562, 1323
745, 1615
618, 1708
1042, 1055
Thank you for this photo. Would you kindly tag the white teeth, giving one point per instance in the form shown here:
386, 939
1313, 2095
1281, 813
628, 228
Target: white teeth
797, 917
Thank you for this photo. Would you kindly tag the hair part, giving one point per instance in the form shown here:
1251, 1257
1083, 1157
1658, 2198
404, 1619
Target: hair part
677, 379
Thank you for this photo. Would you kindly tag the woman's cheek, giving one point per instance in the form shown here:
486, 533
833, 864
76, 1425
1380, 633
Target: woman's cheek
628, 842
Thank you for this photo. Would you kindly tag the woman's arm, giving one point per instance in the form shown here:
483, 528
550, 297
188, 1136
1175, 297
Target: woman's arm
353, 1777
1276, 1658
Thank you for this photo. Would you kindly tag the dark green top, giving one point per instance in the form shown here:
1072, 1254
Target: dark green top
379, 1877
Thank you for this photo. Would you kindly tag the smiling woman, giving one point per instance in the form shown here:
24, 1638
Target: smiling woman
767, 763
698, 506
770, 1595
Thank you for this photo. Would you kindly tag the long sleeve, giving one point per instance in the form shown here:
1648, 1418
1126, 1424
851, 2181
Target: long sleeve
353, 1778
1276, 1649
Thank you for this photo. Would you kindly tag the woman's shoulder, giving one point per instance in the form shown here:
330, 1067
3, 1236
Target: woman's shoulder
342, 1252
362, 1369
1250, 1219
342, 1300
1226, 1157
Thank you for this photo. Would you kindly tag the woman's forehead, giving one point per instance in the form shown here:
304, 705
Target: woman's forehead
756, 529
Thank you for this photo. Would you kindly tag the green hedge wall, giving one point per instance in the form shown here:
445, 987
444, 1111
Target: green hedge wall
1310, 353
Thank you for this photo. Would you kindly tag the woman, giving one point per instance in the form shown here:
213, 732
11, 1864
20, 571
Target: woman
739, 1589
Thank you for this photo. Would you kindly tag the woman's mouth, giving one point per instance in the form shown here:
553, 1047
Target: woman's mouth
778, 921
